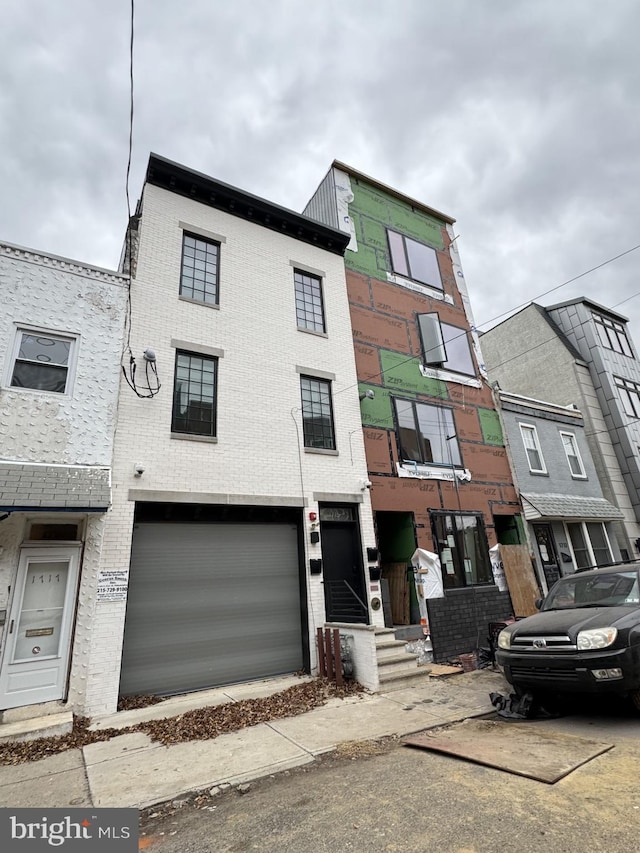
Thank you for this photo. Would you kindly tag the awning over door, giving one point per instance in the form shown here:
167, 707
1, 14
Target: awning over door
211, 604
66, 488
568, 507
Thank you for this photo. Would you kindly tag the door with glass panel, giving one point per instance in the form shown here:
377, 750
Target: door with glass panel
37, 634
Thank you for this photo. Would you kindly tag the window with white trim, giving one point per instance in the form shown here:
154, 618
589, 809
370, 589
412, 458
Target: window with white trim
573, 455
612, 334
444, 345
414, 260
42, 361
590, 544
532, 448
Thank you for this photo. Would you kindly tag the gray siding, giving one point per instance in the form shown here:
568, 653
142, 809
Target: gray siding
322, 206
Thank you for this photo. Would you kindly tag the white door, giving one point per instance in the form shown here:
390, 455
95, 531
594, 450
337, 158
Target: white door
38, 631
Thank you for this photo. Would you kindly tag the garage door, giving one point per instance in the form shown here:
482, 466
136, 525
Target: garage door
211, 604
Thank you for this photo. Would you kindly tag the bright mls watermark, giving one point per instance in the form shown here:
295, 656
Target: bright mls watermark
80, 830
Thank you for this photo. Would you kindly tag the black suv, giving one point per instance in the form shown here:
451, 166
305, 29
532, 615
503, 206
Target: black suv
586, 638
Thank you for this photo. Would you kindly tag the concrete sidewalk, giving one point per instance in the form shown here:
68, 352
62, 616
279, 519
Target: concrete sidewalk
132, 770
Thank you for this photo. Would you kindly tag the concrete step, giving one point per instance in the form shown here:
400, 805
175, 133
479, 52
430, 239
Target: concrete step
391, 649
400, 665
26, 712
402, 679
36, 727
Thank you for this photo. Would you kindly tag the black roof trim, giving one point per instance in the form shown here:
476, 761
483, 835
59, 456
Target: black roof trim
183, 181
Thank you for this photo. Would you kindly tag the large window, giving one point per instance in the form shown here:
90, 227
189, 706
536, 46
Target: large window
630, 396
613, 335
42, 361
194, 395
317, 413
426, 433
590, 544
573, 455
414, 260
444, 345
309, 307
200, 267
532, 449
463, 549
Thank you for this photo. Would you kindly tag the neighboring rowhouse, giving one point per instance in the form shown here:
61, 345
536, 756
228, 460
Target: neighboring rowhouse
580, 353
440, 475
61, 328
241, 516
569, 519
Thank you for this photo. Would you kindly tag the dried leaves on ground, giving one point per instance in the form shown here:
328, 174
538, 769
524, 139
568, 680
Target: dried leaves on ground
132, 703
200, 724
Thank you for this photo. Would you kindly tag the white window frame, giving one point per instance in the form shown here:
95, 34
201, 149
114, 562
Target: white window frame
537, 448
576, 454
25, 328
587, 539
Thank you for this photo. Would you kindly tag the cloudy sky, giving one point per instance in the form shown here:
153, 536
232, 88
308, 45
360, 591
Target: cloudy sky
521, 118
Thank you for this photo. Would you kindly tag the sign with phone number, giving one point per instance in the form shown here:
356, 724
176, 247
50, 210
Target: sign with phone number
112, 586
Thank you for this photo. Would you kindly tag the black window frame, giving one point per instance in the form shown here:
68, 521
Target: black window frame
444, 365
207, 242
318, 432
627, 388
181, 428
419, 448
459, 552
406, 244
306, 307
615, 333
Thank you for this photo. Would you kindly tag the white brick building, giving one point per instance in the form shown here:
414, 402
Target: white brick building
61, 326
244, 520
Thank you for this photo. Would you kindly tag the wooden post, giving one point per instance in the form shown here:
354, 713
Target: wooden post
337, 657
329, 655
322, 660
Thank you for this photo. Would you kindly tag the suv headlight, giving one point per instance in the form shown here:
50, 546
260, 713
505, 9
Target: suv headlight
504, 639
596, 638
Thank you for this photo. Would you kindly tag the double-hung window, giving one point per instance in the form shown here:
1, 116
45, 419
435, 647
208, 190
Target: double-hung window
42, 361
532, 449
612, 334
426, 433
461, 542
444, 345
200, 269
194, 394
317, 413
309, 303
590, 544
414, 260
573, 455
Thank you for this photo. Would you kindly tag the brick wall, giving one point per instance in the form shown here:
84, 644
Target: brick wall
256, 456
459, 621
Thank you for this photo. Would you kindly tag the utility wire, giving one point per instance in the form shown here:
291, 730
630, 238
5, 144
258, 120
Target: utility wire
152, 380
504, 314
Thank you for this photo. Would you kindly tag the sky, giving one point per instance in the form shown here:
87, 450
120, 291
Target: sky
521, 119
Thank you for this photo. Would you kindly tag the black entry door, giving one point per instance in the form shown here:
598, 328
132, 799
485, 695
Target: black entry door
344, 591
548, 553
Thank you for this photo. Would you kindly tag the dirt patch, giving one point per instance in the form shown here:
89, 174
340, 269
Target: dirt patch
200, 724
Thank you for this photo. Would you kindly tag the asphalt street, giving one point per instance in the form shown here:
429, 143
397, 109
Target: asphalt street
402, 799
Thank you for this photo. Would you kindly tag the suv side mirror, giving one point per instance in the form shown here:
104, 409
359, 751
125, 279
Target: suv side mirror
538, 603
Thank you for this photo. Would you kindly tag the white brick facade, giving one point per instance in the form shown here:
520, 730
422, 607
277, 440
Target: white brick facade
59, 296
257, 456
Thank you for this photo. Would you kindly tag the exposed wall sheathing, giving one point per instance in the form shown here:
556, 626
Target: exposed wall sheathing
388, 350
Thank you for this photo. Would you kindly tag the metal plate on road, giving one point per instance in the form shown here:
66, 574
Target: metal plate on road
523, 749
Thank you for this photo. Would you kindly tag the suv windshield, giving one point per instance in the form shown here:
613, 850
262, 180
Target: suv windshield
608, 590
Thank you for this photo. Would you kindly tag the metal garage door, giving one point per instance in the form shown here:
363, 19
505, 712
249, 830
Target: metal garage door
211, 604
